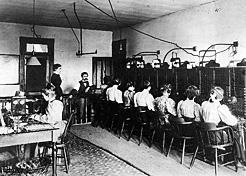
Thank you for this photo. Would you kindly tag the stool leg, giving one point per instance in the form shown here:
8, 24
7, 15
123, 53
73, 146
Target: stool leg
54, 159
204, 154
235, 160
112, 124
141, 135
130, 135
183, 152
216, 162
152, 138
122, 128
163, 141
171, 143
194, 157
65, 158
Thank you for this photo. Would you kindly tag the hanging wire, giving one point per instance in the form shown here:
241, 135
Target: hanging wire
166, 41
147, 34
115, 17
144, 33
230, 45
70, 25
34, 34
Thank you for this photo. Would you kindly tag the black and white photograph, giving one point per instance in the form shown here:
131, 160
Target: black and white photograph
122, 88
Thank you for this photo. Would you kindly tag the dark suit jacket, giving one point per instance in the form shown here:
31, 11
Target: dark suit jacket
82, 88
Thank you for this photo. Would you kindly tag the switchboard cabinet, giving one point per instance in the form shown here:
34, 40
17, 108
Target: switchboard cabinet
232, 80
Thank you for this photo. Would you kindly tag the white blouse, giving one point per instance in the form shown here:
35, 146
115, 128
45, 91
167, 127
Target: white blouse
54, 111
215, 112
114, 94
189, 108
144, 98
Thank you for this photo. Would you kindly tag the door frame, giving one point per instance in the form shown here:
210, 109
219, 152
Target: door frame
23, 53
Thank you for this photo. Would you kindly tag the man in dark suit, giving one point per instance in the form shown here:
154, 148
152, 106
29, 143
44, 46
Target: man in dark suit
82, 95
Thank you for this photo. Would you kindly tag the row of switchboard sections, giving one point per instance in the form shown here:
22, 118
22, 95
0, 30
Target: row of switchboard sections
232, 80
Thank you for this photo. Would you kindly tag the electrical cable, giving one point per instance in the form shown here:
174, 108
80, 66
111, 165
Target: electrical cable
33, 26
131, 26
80, 27
115, 17
146, 34
230, 45
63, 10
223, 50
164, 58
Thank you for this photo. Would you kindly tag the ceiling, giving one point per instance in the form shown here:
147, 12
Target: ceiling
128, 12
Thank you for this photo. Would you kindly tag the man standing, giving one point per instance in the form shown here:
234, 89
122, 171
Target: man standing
56, 81
82, 95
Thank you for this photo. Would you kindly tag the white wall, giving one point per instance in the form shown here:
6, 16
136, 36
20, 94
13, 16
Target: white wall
222, 21
64, 49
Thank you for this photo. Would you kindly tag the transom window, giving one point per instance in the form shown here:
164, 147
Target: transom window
39, 48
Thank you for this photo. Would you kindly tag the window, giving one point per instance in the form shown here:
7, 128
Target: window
39, 48
9, 69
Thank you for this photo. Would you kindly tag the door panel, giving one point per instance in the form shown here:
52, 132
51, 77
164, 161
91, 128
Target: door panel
36, 75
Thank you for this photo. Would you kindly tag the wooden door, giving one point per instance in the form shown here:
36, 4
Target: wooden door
36, 75
101, 67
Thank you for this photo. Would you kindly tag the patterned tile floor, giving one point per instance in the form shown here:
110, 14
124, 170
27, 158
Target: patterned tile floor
87, 159
150, 160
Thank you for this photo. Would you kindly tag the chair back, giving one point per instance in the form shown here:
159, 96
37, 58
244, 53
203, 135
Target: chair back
207, 126
113, 107
68, 125
128, 112
141, 114
182, 128
215, 137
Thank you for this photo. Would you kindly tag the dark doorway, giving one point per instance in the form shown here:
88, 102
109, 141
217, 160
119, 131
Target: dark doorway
35, 77
101, 67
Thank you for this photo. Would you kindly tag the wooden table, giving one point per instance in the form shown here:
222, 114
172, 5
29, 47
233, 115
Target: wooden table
31, 137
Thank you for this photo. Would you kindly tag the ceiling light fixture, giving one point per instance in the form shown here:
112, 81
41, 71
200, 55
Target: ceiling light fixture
33, 60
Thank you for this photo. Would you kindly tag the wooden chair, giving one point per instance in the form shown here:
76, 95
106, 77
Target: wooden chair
113, 114
182, 131
166, 129
127, 118
62, 144
142, 121
218, 139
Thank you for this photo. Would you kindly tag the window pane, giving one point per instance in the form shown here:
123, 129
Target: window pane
9, 69
40, 48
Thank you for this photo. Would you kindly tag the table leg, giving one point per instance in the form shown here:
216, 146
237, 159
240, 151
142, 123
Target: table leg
54, 167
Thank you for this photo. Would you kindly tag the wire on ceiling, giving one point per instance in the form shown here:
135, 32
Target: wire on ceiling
149, 35
115, 17
33, 21
63, 10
